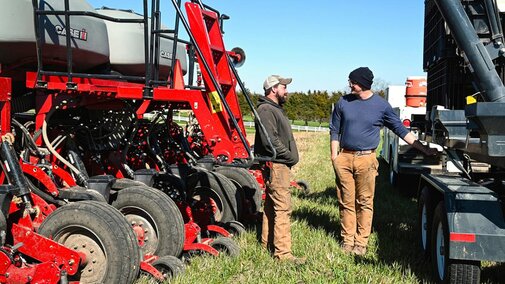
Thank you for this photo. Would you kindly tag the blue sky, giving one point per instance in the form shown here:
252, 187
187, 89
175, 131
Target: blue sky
318, 42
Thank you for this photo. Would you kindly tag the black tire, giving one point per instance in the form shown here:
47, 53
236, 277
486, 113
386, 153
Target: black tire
213, 189
424, 221
121, 183
170, 266
159, 215
226, 245
3, 222
304, 186
247, 187
101, 232
97, 196
393, 176
235, 228
230, 190
446, 270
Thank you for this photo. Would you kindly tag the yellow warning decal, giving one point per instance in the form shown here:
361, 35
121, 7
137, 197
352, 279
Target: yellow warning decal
215, 102
470, 100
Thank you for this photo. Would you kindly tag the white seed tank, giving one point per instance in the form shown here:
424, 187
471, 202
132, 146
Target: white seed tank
126, 43
89, 38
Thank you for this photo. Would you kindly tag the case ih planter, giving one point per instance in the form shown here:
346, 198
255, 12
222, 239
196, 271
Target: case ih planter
93, 126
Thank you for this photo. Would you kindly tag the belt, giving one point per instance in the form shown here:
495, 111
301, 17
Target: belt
358, 152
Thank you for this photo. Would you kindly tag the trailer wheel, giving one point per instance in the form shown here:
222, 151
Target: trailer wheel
156, 215
216, 191
393, 176
226, 245
424, 216
170, 266
449, 270
102, 234
246, 185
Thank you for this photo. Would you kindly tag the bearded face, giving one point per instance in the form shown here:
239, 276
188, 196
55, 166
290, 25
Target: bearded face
281, 94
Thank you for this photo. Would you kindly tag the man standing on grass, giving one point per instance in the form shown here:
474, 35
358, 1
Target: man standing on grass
276, 227
355, 134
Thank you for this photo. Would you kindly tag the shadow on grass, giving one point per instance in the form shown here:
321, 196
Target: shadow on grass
328, 196
493, 274
314, 219
318, 219
395, 224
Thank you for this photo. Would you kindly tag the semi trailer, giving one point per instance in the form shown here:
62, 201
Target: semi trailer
461, 213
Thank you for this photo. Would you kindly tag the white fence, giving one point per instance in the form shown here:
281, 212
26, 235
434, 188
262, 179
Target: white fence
310, 128
250, 124
296, 127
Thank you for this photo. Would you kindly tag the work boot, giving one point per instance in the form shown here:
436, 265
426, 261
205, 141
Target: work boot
346, 249
359, 250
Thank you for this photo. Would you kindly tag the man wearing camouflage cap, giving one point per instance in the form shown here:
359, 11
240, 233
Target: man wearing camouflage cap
276, 228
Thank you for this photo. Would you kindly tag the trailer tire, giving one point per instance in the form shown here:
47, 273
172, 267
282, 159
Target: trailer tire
170, 266
226, 245
101, 233
448, 270
208, 187
162, 221
247, 187
424, 218
393, 176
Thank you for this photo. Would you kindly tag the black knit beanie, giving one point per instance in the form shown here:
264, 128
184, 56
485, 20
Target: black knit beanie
363, 76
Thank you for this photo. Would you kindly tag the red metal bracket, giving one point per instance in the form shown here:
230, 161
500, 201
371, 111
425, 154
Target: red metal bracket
67, 179
46, 250
147, 267
5, 105
41, 176
46, 272
218, 229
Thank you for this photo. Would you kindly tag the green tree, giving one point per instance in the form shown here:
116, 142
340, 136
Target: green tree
244, 106
335, 96
322, 106
308, 109
293, 106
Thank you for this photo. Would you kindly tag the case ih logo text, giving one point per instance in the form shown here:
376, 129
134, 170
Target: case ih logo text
74, 33
166, 54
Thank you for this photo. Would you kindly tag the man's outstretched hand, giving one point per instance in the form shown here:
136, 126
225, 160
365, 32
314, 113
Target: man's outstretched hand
427, 151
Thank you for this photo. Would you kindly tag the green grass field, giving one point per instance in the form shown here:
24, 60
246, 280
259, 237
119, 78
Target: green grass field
393, 256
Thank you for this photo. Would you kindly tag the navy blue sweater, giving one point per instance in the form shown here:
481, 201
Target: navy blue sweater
356, 123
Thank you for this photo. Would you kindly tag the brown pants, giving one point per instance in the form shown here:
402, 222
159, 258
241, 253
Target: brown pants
276, 227
355, 191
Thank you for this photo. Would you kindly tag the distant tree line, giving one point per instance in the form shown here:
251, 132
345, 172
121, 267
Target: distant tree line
311, 106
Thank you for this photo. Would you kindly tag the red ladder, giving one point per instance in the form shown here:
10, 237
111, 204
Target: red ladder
208, 38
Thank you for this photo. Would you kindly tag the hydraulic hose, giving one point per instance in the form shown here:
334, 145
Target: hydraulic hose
28, 138
44, 195
80, 177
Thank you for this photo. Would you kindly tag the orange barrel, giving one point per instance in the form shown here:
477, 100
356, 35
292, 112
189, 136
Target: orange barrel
415, 94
